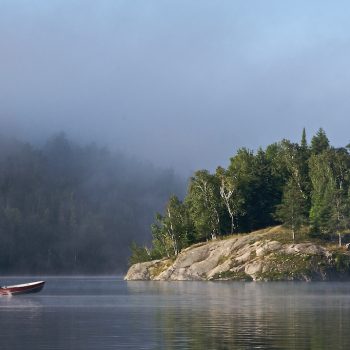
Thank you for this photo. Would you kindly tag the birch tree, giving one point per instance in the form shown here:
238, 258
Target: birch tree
230, 194
340, 208
295, 161
173, 230
204, 204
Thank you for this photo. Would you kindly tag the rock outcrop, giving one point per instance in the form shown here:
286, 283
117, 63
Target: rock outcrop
251, 257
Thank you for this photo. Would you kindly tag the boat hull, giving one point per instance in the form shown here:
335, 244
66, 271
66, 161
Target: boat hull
33, 287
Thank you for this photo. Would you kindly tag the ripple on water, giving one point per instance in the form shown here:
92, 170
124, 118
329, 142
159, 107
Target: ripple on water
109, 313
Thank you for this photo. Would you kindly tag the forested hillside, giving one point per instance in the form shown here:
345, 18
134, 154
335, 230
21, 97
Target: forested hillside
296, 184
67, 208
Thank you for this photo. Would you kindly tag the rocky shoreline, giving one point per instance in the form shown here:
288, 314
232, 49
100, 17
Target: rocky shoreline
251, 257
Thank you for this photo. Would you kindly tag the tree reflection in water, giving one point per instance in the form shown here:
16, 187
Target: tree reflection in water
226, 315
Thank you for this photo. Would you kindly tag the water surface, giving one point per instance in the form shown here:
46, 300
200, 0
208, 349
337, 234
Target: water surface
109, 313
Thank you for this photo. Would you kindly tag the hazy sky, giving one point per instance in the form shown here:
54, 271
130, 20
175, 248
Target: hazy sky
180, 83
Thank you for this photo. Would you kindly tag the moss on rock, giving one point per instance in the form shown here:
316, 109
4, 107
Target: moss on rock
232, 276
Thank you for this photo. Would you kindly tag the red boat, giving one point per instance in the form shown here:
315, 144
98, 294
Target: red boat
33, 287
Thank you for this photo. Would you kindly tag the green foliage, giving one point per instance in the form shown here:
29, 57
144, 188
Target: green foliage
287, 183
303, 143
232, 276
173, 231
322, 189
139, 254
231, 195
342, 262
293, 209
259, 185
299, 267
329, 173
205, 205
319, 142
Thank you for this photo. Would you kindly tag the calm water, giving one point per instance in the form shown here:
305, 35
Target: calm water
108, 313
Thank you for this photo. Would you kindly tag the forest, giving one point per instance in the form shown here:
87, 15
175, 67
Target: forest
68, 208
299, 185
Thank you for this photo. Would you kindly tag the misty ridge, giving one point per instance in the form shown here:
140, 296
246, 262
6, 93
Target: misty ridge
71, 208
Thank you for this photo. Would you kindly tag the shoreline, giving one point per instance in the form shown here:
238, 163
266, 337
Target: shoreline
259, 256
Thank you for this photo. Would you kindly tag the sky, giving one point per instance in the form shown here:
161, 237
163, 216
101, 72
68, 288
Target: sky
180, 83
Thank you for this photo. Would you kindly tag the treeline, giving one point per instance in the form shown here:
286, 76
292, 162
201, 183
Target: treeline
68, 208
295, 184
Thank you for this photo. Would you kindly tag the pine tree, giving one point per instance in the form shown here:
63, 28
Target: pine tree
323, 186
303, 143
259, 185
319, 142
303, 160
329, 173
293, 209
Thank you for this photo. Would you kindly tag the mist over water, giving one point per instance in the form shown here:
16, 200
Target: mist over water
105, 313
172, 85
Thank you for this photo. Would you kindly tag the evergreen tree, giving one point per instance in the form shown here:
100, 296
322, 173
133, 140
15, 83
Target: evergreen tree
303, 160
323, 186
243, 167
303, 143
293, 209
330, 177
319, 142
266, 194
288, 182
260, 186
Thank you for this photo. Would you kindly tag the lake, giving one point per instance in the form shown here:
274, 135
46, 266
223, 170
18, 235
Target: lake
109, 313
